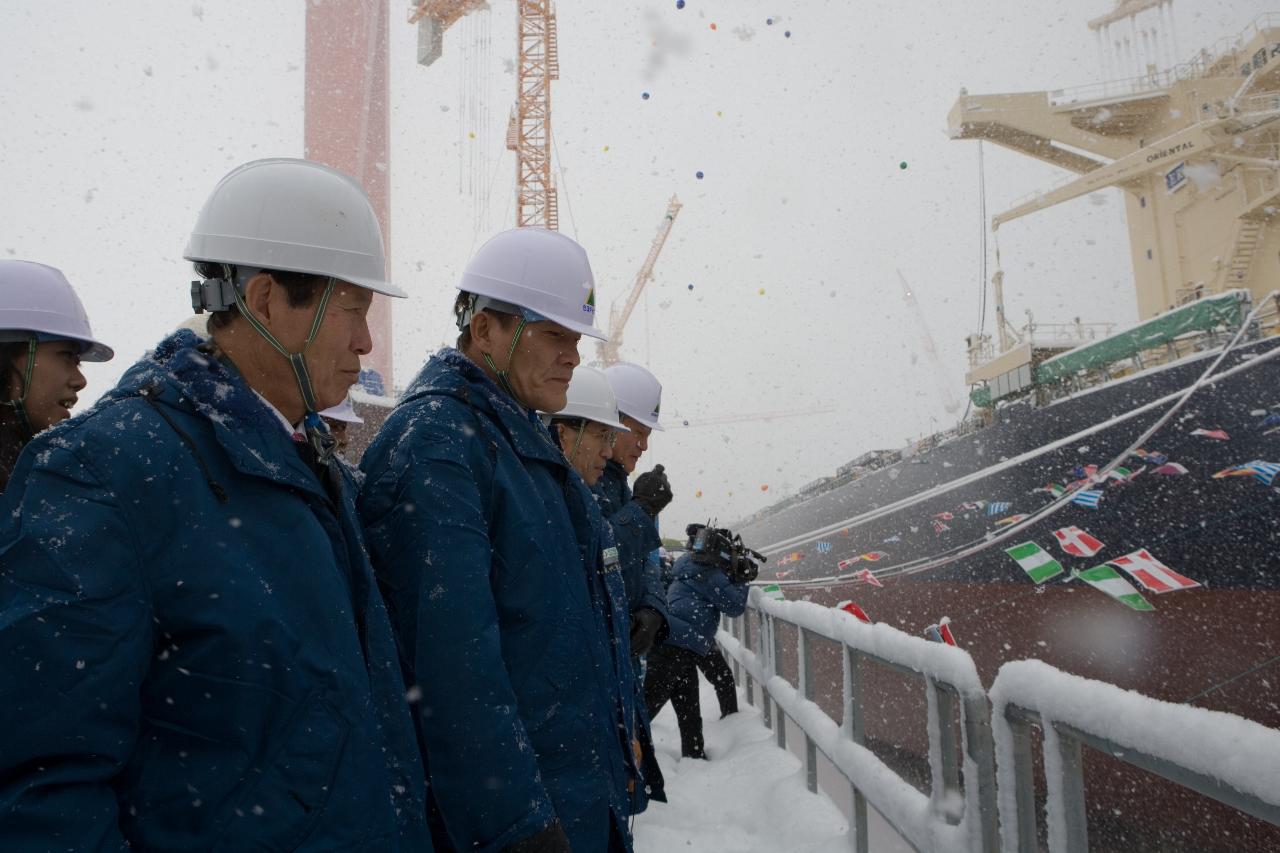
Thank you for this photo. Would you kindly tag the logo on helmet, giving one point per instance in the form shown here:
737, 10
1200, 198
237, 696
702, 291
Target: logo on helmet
589, 307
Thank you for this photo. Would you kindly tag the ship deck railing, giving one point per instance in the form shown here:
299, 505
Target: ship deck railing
983, 788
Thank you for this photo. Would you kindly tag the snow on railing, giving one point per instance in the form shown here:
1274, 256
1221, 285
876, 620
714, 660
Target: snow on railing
954, 817
1223, 756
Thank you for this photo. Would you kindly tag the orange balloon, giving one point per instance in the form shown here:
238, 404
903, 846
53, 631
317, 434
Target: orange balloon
698, 493
765, 487
713, 26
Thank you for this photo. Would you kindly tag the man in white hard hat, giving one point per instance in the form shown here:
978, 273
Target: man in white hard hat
588, 426
193, 649
44, 335
481, 534
633, 516
338, 419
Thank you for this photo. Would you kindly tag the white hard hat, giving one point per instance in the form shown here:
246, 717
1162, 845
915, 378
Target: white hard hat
35, 298
293, 215
540, 271
344, 411
639, 393
591, 399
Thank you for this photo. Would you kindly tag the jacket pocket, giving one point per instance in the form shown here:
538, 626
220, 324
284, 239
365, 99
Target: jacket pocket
284, 799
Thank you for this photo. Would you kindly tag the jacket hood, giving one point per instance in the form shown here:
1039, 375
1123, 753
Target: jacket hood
685, 567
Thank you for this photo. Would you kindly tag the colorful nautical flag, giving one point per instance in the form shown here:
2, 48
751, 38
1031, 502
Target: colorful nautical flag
844, 564
1087, 498
1219, 434
1151, 456
944, 628
1035, 561
1077, 542
1265, 472
874, 556
1013, 519
1271, 420
939, 526
823, 547
781, 575
865, 575
945, 516
1170, 468
1151, 573
1106, 579
854, 610
1123, 474
1235, 471
1052, 488
998, 507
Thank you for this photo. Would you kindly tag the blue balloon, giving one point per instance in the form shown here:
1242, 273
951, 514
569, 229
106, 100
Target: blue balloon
645, 95
787, 34
769, 21
698, 175
691, 287
679, 4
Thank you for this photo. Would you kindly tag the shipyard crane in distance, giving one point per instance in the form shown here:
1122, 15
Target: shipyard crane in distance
618, 318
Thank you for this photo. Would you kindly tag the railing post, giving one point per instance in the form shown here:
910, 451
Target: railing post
766, 667
746, 644
855, 728
942, 710
980, 748
1023, 782
807, 687
776, 643
1069, 788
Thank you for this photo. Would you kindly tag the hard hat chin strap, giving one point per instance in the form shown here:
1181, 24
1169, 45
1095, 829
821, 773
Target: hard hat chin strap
318, 435
511, 354
25, 432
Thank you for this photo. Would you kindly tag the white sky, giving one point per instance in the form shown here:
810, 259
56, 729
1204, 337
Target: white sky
119, 118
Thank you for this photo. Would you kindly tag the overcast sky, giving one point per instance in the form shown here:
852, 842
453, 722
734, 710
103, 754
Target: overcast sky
119, 119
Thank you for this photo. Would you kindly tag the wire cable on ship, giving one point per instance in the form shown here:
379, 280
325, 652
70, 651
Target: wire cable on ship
956, 553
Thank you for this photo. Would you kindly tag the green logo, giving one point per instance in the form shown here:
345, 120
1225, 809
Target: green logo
590, 305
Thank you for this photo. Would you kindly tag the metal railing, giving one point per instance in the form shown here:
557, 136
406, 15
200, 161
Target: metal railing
1233, 760
951, 686
1143, 732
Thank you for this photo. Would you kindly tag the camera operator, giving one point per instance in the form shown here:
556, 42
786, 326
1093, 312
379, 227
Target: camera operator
710, 579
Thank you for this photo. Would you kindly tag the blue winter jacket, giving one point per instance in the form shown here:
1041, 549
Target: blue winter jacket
193, 651
638, 540
697, 596
512, 625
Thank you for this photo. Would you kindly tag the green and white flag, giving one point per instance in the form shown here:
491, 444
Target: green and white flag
1035, 561
772, 590
1108, 580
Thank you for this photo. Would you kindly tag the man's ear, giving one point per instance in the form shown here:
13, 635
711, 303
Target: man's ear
482, 329
257, 295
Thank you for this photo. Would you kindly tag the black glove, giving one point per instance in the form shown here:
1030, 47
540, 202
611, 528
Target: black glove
645, 625
652, 491
550, 839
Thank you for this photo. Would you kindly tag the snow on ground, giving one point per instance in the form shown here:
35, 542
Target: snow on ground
750, 797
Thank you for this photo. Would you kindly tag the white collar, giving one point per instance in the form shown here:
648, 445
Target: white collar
284, 422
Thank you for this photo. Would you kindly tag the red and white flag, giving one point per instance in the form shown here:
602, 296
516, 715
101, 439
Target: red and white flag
939, 526
1151, 573
1219, 434
944, 628
866, 575
854, 610
945, 516
1077, 542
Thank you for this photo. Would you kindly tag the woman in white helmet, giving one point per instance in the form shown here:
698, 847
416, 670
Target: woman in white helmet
44, 335
510, 613
588, 426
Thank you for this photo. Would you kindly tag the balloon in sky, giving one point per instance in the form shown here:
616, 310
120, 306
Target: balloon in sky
686, 423
764, 487
902, 165
769, 21
787, 34
713, 26
698, 175
762, 291
644, 95
691, 287
679, 4
698, 493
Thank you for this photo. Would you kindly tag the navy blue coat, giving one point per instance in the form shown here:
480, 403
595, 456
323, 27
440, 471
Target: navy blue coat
638, 540
697, 596
513, 628
193, 651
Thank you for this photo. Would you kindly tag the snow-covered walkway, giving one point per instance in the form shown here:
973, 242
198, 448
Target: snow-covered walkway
749, 798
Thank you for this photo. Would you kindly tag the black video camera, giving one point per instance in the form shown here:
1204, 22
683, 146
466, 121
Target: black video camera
722, 548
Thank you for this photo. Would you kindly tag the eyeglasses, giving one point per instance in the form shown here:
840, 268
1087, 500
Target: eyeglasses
605, 434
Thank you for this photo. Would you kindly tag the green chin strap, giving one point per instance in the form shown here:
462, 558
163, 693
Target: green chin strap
25, 432
511, 354
318, 435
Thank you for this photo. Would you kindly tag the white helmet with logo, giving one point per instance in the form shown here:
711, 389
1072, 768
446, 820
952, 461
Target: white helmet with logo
639, 393
591, 399
543, 273
294, 215
36, 299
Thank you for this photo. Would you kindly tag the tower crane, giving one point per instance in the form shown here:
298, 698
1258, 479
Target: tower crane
618, 319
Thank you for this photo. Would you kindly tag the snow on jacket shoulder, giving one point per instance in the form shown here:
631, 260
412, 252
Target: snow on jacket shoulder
193, 652
482, 540
697, 596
